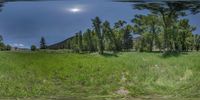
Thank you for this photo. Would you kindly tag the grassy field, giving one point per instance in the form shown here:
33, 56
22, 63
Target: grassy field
59, 74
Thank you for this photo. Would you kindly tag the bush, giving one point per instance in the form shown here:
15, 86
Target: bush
8, 47
2, 46
33, 48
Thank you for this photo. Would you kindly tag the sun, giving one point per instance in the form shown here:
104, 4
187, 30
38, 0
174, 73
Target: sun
75, 10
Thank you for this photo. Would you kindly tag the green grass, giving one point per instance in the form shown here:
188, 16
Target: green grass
59, 74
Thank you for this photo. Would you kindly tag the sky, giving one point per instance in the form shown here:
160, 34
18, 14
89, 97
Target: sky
24, 23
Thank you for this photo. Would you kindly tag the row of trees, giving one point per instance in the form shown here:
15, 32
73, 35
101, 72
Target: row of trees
121, 37
4, 47
179, 38
163, 30
42, 45
102, 37
176, 33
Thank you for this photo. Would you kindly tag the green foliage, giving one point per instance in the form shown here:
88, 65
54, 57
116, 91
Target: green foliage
33, 48
8, 47
170, 12
197, 42
4, 47
154, 35
148, 27
88, 41
43, 43
127, 41
119, 30
1, 38
100, 36
80, 42
110, 39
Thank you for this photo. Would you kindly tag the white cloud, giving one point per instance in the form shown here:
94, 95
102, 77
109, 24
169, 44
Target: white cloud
17, 45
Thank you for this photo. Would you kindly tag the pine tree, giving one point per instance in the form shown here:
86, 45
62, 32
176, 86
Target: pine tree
80, 42
110, 38
127, 38
98, 31
2, 45
43, 43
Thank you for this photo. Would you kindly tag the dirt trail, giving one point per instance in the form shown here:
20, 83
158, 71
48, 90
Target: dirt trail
122, 90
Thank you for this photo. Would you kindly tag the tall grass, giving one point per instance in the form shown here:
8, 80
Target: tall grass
35, 74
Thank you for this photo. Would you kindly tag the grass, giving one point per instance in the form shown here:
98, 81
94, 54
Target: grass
132, 74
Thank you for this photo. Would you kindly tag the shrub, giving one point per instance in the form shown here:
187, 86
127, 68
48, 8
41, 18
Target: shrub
33, 48
8, 47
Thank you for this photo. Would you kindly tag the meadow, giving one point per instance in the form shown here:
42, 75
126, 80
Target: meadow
123, 75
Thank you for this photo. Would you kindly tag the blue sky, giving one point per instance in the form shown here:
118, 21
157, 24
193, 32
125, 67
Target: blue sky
23, 23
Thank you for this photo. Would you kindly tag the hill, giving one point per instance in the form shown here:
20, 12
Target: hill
61, 45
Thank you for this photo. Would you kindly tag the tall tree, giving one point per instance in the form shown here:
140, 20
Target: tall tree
148, 27
80, 41
110, 38
1, 38
127, 38
2, 46
120, 24
43, 43
170, 11
119, 34
88, 41
197, 42
185, 34
97, 27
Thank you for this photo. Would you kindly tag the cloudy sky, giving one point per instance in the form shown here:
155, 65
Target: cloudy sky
23, 23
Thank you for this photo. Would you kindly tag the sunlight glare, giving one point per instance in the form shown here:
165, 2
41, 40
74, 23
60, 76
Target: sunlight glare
75, 10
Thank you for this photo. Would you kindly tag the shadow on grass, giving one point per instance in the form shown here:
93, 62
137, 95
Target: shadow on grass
173, 54
110, 55
153, 51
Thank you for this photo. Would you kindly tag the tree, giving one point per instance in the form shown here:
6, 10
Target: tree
75, 43
33, 48
100, 36
2, 45
148, 27
80, 42
88, 41
43, 43
127, 38
197, 42
1, 38
185, 34
8, 47
110, 39
120, 24
169, 11
119, 34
